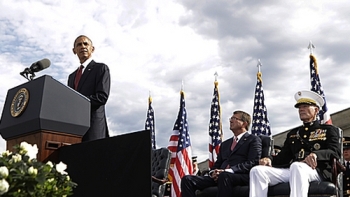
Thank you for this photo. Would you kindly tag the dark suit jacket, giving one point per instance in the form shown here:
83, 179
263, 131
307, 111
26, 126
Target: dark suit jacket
244, 156
95, 85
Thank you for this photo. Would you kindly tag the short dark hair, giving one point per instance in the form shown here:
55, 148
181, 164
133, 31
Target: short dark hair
80, 37
245, 117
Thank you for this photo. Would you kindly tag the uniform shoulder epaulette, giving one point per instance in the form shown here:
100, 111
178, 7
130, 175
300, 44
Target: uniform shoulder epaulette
326, 126
293, 131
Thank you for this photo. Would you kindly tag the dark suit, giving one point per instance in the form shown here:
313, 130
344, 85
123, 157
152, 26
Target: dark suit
244, 156
95, 85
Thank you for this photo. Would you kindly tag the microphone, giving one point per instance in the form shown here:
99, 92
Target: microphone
40, 65
35, 67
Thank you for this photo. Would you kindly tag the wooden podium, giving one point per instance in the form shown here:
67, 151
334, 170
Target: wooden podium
44, 112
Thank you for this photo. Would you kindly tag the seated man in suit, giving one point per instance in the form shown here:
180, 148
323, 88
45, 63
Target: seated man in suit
236, 157
306, 155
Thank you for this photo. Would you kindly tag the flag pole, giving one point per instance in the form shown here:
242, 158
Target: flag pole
310, 47
216, 83
259, 65
260, 122
182, 85
215, 124
259, 75
323, 115
149, 97
180, 148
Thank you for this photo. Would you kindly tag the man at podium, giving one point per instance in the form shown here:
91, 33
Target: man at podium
92, 80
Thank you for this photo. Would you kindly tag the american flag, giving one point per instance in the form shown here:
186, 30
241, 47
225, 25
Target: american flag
149, 124
323, 116
260, 124
180, 148
215, 126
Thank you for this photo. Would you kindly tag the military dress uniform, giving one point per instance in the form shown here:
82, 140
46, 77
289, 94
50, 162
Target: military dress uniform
346, 177
311, 137
300, 142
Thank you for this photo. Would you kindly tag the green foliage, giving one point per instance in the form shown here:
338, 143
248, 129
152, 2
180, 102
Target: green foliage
21, 175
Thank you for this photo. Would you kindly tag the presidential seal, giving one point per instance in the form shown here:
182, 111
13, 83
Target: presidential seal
19, 102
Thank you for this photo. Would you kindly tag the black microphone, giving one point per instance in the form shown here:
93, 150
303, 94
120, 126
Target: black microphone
35, 67
40, 65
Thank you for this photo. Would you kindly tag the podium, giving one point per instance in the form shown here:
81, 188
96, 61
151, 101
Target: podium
115, 166
44, 112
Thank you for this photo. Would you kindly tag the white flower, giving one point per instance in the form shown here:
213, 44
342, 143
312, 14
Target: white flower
4, 172
15, 158
33, 152
4, 186
29, 150
32, 171
49, 163
6, 153
24, 146
61, 167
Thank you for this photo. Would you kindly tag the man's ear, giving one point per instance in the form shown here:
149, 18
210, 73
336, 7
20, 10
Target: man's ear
74, 51
245, 124
317, 110
93, 49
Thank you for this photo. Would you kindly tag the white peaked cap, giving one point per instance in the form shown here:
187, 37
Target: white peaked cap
308, 97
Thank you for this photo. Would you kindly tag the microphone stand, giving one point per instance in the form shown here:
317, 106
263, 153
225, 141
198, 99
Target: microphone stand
26, 72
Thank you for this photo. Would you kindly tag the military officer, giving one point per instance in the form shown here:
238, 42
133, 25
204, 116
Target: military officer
346, 156
305, 156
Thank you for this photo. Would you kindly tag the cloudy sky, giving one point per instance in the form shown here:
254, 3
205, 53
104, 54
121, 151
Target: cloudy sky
154, 45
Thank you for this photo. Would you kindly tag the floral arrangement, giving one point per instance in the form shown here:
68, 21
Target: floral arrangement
21, 175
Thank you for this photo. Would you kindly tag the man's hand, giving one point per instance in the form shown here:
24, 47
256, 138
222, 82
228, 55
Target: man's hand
215, 174
311, 160
265, 161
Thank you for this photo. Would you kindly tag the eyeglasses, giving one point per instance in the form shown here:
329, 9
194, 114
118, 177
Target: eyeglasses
234, 118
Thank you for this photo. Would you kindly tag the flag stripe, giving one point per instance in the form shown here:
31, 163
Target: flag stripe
180, 148
215, 126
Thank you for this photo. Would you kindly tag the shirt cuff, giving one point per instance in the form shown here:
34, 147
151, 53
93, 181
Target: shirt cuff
229, 170
210, 172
